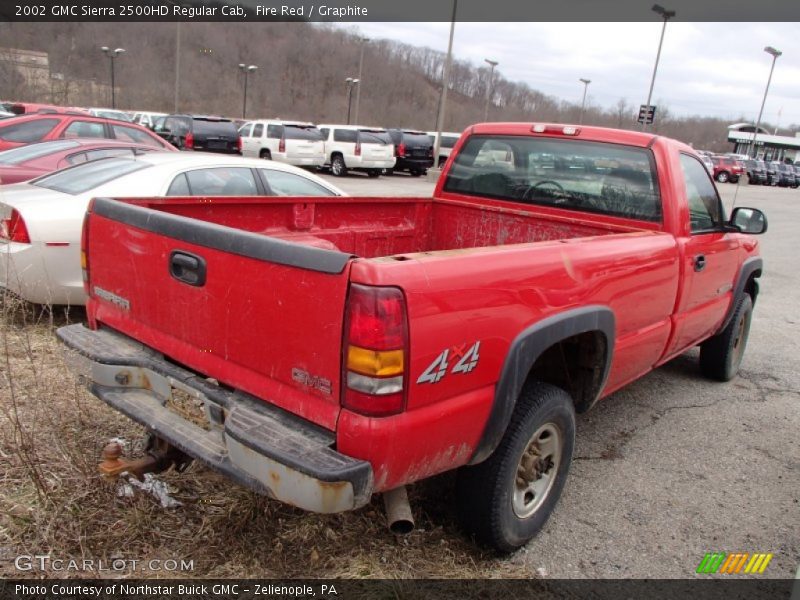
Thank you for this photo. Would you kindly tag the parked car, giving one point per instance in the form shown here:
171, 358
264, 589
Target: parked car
291, 142
727, 169
756, 171
449, 140
202, 133
707, 163
110, 113
400, 338
6, 115
357, 148
41, 219
28, 129
784, 174
25, 108
35, 160
796, 168
147, 118
413, 150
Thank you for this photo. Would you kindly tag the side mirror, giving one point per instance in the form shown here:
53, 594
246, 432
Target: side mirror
749, 220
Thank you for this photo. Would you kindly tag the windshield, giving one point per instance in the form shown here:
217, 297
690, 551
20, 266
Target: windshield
26, 153
570, 174
302, 132
87, 176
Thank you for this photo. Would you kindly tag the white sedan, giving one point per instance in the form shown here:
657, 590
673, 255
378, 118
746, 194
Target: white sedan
41, 220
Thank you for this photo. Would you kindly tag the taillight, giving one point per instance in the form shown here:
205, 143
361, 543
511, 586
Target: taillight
375, 350
84, 248
13, 228
401, 149
239, 143
358, 148
189, 141
282, 145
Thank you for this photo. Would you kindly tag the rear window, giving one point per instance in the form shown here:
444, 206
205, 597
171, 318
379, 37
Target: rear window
87, 176
345, 135
368, 136
417, 139
448, 141
570, 174
208, 127
300, 132
29, 131
131, 134
26, 153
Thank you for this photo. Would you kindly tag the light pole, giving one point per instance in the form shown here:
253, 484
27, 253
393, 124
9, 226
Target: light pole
585, 83
443, 98
177, 62
246, 69
666, 15
351, 83
363, 41
775, 54
492, 64
112, 55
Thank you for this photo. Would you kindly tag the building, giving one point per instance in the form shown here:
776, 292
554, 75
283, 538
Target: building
770, 147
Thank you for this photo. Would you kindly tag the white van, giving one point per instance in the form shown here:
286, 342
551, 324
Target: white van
292, 142
449, 140
358, 148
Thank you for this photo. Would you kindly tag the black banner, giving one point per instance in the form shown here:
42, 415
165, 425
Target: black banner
355, 11
398, 589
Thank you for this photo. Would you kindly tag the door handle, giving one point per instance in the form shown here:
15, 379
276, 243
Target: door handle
187, 268
699, 262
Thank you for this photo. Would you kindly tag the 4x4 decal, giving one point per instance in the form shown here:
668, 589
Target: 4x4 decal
467, 361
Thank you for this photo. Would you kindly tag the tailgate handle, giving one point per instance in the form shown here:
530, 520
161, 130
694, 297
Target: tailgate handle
187, 268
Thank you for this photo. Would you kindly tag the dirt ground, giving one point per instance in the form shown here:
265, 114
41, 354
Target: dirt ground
668, 469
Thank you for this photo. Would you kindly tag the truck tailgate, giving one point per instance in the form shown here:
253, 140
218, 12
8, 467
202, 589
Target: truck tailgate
235, 306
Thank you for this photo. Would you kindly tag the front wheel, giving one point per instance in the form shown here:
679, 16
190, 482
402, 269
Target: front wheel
721, 355
505, 500
722, 177
338, 167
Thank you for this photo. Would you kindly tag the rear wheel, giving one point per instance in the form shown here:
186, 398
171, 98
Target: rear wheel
505, 500
415, 172
721, 355
265, 154
374, 173
722, 176
338, 167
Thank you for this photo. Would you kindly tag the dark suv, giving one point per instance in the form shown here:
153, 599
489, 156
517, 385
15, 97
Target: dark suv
413, 151
200, 132
785, 175
756, 172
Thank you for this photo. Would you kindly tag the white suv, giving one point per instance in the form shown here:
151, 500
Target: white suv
291, 142
449, 140
353, 147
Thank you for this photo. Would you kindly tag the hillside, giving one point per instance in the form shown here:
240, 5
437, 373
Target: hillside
301, 75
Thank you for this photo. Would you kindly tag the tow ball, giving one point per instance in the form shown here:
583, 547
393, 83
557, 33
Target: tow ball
159, 456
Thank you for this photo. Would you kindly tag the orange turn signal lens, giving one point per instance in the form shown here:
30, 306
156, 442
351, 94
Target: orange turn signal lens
378, 363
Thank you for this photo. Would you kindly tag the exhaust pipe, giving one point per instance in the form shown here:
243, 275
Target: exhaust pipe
398, 511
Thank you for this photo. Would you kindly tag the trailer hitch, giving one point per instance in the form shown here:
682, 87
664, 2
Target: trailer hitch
159, 456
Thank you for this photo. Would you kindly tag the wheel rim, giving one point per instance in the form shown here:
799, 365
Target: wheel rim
337, 166
536, 471
740, 341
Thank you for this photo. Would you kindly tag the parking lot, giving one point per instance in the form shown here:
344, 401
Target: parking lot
669, 468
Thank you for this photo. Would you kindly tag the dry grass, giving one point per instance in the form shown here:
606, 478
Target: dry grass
52, 500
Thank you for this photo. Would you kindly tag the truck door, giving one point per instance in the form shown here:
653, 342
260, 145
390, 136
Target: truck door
710, 260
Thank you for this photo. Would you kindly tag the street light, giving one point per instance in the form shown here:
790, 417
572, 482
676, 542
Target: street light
363, 41
492, 64
246, 69
666, 15
351, 83
112, 54
775, 54
585, 83
443, 97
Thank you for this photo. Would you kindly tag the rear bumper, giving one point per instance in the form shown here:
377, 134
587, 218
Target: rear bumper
250, 441
41, 274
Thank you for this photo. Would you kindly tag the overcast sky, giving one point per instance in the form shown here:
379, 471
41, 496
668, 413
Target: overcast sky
712, 69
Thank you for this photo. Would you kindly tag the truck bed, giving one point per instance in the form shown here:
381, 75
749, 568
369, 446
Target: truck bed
377, 227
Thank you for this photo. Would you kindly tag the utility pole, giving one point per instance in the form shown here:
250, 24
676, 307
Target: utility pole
363, 41
445, 81
492, 65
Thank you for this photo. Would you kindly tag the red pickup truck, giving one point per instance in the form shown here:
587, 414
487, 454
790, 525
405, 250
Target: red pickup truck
333, 348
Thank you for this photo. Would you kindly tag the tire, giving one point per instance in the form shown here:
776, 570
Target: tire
338, 167
388, 171
415, 172
374, 173
496, 500
265, 154
721, 355
723, 176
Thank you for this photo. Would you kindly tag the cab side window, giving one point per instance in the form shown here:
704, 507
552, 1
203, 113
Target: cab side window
705, 207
